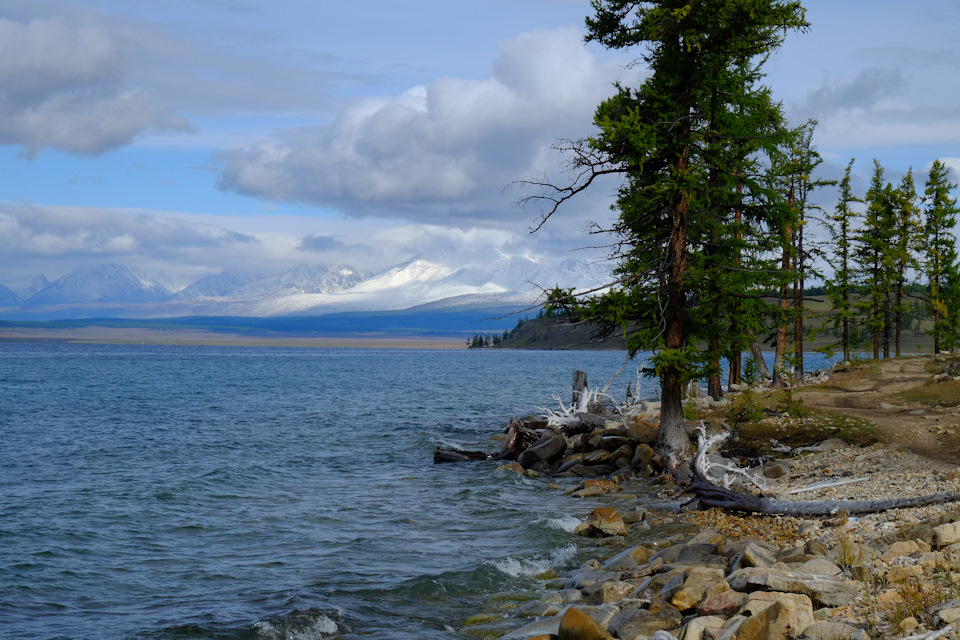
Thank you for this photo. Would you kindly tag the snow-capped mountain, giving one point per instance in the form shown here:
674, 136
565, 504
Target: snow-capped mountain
105, 283
308, 289
8, 298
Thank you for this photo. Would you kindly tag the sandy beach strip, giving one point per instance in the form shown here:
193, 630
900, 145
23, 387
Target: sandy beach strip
195, 337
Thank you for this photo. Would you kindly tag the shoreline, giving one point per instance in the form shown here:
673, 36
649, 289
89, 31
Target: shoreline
192, 337
894, 574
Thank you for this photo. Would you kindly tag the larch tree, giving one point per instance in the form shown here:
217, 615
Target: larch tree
841, 285
793, 169
871, 252
685, 143
940, 261
903, 256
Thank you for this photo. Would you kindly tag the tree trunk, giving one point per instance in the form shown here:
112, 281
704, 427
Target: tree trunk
736, 368
899, 312
798, 284
780, 355
714, 385
712, 496
579, 386
762, 369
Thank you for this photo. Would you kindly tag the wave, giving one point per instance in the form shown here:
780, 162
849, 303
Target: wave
534, 565
301, 625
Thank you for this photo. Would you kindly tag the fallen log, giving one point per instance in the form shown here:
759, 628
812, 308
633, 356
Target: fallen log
453, 455
519, 438
579, 423
711, 495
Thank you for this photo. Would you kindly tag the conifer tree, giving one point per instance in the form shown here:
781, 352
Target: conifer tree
940, 263
872, 256
840, 287
678, 141
903, 257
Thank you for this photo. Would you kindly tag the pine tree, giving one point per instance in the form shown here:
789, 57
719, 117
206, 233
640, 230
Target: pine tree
940, 264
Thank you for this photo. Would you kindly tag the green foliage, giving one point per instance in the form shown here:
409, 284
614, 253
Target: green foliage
940, 260
751, 372
790, 406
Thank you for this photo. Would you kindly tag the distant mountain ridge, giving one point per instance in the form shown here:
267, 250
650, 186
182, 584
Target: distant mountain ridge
111, 290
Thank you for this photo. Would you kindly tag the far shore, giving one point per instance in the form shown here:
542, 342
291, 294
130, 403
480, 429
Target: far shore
195, 337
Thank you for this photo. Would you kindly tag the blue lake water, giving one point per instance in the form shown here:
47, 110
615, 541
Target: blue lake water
245, 493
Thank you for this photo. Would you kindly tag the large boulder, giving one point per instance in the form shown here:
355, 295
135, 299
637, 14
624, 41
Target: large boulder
577, 625
826, 591
603, 522
543, 450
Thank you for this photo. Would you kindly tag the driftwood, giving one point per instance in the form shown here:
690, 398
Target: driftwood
453, 455
711, 495
579, 423
519, 438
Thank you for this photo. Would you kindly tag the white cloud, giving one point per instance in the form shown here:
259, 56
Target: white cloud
62, 86
442, 152
54, 240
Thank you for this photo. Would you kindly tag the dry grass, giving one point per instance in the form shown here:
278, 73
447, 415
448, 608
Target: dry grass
934, 394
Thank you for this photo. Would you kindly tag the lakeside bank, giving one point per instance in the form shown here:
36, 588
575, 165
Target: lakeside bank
695, 575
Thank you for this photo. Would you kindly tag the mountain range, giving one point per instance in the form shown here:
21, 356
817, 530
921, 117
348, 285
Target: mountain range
115, 291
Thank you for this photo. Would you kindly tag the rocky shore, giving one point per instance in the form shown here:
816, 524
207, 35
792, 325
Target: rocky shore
706, 574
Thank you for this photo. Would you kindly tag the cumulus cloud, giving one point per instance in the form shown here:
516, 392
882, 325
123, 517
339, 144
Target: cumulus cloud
442, 152
53, 240
319, 243
62, 86
68, 235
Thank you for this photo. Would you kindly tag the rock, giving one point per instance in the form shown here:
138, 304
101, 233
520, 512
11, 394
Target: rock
694, 629
725, 603
898, 549
640, 623
628, 559
797, 613
948, 614
825, 591
908, 624
775, 622
603, 521
634, 515
539, 609
698, 583
946, 534
821, 566
609, 591
832, 444
776, 470
953, 474
902, 574
590, 573
576, 625
596, 487
543, 450
828, 631
545, 628
888, 597
756, 555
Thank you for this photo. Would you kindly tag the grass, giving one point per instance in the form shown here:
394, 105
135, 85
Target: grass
918, 598
934, 394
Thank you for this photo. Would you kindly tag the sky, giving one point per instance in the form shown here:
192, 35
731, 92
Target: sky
189, 137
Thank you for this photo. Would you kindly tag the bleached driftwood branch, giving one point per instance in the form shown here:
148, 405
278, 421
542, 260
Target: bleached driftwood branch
712, 495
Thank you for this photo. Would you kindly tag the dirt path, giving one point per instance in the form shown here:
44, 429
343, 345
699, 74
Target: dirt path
933, 432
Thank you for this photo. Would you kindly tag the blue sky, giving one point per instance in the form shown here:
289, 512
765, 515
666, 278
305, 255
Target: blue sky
193, 136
